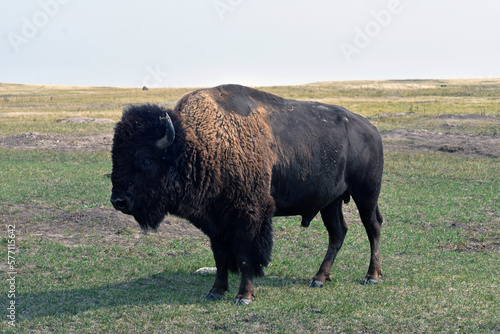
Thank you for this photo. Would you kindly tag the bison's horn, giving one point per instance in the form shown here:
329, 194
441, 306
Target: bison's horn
169, 137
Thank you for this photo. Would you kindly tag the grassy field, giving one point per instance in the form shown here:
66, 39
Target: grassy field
81, 267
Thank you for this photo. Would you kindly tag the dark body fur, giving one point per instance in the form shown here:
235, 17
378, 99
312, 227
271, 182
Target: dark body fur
241, 156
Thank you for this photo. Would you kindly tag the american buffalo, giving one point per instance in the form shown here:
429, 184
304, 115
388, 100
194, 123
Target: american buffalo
230, 158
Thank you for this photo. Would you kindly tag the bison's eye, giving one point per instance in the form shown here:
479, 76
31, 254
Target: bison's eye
147, 163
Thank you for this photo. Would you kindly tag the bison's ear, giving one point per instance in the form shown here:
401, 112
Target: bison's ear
169, 137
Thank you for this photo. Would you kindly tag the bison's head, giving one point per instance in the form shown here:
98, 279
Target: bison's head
142, 156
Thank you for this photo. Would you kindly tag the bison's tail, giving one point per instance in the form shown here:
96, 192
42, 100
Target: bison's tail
346, 197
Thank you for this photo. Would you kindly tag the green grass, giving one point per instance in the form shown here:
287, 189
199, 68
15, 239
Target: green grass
64, 181
439, 248
428, 283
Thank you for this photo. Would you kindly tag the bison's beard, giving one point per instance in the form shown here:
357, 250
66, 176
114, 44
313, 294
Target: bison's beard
149, 220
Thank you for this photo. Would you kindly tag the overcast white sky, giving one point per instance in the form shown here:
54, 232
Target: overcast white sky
166, 43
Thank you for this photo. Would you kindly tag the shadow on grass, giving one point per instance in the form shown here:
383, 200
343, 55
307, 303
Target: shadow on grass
162, 288
179, 288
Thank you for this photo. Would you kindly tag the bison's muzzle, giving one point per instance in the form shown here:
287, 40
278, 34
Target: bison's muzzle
127, 204
121, 203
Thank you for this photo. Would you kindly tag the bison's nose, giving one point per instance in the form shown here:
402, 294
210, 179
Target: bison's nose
121, 203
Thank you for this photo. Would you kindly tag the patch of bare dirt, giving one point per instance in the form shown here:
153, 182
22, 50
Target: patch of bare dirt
395, 115
58, 143
468, 117
432, 141
479, 237
86, 120
89, 226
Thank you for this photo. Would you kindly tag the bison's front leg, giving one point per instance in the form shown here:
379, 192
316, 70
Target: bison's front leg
246, 293
252, 249
221, 284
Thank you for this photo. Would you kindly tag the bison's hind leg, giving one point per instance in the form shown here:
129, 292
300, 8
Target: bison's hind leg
337, 229
372, 220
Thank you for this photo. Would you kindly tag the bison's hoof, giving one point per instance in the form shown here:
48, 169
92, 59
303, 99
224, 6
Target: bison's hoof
213, 296
242, 301
316, 284
369, 281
